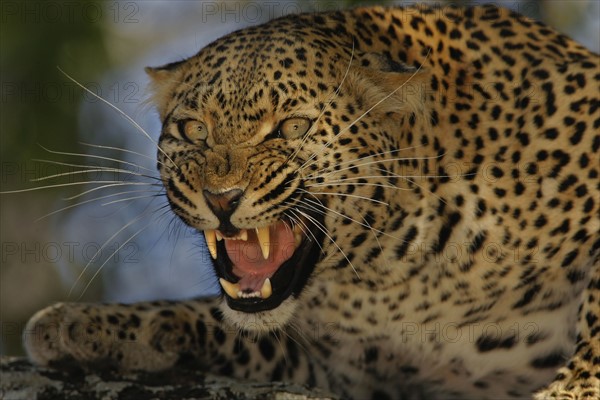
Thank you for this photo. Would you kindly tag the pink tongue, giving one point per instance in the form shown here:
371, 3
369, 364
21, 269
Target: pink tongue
248, 262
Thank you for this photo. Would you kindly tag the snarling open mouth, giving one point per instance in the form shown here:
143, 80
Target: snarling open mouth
259, 268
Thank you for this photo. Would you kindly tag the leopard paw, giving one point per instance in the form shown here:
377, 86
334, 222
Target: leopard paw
43, 337
94, 335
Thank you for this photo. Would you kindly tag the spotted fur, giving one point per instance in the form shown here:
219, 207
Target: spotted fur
451, 169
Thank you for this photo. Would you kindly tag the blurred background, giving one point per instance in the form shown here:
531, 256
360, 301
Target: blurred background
114, 239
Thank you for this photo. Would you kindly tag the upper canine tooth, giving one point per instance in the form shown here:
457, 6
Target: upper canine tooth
264, 240
266, 290
211, 242
232, 289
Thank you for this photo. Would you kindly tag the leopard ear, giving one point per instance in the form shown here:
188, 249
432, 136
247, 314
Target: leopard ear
394, 86
163, 81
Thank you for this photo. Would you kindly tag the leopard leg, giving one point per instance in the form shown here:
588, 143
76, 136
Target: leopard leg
143, 336
155, 336
580, 378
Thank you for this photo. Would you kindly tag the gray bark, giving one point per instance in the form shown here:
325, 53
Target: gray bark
20, 380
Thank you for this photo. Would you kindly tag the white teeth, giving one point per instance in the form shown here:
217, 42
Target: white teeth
243, 235
211, 242
264, 240
266, 290
232, 289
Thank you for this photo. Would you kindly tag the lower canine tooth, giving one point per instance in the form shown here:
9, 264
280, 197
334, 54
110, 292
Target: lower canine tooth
211, 242
266, 290
297, 238
232, 289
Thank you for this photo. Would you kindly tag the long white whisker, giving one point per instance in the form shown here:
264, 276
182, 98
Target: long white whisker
391, 175
54, 162
283, 351
58, 185
109, 257
130, 199
319, 226
64, 153
87, 171
92, 200
334, 183
380, 101
291, 337
332, 98
337, 165
304, 228
99, 251
109, 185
318, 204
427, 190
122, 113
65, 164
294, 330
355, 196
385, 160
99, 146
345, 129
382, 153
388, 175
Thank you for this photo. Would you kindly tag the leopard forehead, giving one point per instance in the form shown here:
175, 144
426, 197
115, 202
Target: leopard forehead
243, 83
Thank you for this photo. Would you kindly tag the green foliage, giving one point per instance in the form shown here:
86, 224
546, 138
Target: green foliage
39, 105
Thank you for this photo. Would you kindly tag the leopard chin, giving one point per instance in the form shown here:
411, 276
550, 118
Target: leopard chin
261, 321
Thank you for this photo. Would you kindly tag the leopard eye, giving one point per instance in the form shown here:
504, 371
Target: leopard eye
193, 131
294, 128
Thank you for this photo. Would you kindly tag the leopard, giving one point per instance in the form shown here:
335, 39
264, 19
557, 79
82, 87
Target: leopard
398, 203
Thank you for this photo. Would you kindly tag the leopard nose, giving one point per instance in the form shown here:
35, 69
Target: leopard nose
223, 205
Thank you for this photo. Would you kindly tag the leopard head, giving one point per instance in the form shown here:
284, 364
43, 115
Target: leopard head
271, 145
